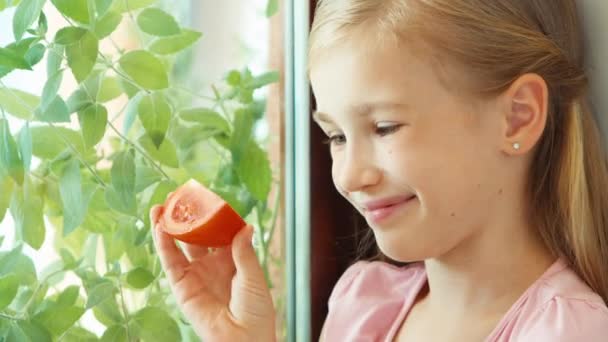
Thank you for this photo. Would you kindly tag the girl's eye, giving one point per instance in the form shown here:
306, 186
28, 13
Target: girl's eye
382, 130
387, 129
336, 139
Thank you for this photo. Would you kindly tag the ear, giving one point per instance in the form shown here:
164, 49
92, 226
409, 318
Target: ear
525, 113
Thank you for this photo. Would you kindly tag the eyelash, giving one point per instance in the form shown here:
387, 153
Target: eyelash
382, 131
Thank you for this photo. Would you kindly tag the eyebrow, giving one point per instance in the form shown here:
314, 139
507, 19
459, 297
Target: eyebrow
360, 110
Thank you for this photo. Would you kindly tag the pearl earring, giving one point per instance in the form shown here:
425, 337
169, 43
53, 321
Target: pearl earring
516, 146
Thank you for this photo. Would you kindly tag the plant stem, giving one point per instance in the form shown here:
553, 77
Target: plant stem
12, 318
186, 90
220, 101
275, 211
120, 112
118, 49
125, 311
141, 39
143, 153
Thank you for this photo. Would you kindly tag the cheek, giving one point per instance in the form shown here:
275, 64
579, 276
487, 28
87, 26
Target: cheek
335, 173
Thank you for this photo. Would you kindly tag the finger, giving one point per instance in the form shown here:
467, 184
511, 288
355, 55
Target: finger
245, 259
195, 252
172, 258
155, 213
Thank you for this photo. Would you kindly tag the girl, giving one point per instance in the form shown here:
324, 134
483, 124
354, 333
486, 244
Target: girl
461, 130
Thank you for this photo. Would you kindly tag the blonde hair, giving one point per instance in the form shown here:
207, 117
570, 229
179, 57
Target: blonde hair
498, 41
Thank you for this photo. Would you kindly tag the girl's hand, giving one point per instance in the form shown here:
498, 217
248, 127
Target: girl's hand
223, 293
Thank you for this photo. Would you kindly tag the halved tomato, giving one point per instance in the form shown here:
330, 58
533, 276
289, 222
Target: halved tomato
197, 215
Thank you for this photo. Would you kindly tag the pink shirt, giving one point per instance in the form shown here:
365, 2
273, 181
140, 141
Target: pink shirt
371, 299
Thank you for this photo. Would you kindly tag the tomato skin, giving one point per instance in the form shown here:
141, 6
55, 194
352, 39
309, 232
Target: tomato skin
217, 231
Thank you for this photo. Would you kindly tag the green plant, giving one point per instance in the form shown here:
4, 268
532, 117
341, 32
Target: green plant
72, 169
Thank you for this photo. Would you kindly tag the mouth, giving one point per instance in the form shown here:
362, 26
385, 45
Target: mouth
377, 211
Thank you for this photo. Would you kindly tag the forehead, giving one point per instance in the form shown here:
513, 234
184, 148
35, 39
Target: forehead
350, 74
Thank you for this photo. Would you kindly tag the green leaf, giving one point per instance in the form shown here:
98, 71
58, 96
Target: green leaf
241, 136
233, 78
93, 121
115, 245
99, 293
166, 153
123, 173
145, 69
74, 9
254, 171
15, 333
58, 319
16, 262
128, 87
74, 205
8, 290
10, 159
35, 332
154, 324
35, 54
107, 312
115, 333
121, 196
154, 113
264, 79
130, 5
131, 111
82, 55
18, 103
207, 118
26, 210
43, 25
51, 88
174, 44
25, 145
9, 60
109, 90
78, 334
8, 3
69, 296
102, 6
99, 218
272, 7
187, 136
69, 35
145, 176
107, 24
6, 184
156, 22
26, 14
139, 278
55, 111
54, 59
79, 100
48, 142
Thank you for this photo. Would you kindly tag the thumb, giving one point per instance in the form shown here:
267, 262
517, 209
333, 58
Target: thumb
245, 258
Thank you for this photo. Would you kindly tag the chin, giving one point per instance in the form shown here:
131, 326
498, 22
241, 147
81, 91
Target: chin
404, 249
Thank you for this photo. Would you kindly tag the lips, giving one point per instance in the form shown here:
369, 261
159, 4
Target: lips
386, 202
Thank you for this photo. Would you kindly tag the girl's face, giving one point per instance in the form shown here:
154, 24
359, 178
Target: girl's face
419, 162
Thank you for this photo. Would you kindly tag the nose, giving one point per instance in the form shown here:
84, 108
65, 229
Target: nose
356, 171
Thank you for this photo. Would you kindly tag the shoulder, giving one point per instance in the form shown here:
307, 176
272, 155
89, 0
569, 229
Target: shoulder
367, 298
567, 309
367, 278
